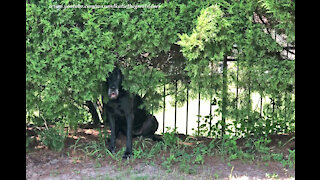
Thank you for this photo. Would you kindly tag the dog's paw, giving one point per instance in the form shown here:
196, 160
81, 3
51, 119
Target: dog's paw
112, 150
127, 155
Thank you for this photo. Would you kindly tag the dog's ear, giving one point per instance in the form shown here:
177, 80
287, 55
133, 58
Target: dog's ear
109, 73
108, 76
119, 74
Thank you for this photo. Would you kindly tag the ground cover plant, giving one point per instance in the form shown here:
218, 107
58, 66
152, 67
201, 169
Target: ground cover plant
176, 156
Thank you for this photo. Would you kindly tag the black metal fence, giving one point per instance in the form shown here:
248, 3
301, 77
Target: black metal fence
212, 102
186, 106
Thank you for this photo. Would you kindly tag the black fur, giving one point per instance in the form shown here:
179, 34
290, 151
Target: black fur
124, 115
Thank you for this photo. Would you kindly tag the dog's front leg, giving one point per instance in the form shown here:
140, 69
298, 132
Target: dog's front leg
128, 152
113, 133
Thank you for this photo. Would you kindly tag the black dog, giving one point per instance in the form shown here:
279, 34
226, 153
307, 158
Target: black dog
124, 115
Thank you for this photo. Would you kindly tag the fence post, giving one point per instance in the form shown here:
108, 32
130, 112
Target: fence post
164, 105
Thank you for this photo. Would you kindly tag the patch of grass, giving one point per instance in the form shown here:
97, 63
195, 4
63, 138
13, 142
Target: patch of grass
273, 175
143, 149
186, 155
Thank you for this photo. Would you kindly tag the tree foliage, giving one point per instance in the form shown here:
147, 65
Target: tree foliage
180, 44
242, 31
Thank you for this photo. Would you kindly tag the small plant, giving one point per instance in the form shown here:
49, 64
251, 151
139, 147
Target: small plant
167, 163
185, 163
273, 175
155, 150
277, 157
94, 149
261, 145
28, 141
138, 153
228, 147
216, 175
53, 138
259, 148
203, 129
211, 147
75, 146
142, 148
199, 152
170, 139
291, 158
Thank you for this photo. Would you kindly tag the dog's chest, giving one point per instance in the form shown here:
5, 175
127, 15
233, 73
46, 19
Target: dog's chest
116, 108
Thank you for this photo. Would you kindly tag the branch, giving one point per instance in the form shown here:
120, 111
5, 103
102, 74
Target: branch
45, 122
264, 23
288, 49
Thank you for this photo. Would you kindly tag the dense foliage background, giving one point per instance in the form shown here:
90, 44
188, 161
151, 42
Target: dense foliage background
226, 50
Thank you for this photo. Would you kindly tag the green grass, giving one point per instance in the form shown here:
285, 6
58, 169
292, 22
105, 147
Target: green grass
174, 153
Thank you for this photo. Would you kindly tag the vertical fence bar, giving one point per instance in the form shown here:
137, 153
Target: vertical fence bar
152, 109
175, 105
187, 109
164, 106
210, 116
273, 103
237, 92
285, 95
260, 105
224, 95
249, 106
210, 113
199, 113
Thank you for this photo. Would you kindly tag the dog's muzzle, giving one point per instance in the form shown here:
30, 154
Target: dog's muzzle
113, 93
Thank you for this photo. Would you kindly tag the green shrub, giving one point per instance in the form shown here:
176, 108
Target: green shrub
53, 138
69, 52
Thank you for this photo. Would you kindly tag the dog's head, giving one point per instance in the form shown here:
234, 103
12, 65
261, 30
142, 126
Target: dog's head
114, 83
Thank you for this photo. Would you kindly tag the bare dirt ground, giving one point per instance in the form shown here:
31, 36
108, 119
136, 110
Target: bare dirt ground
42, 163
